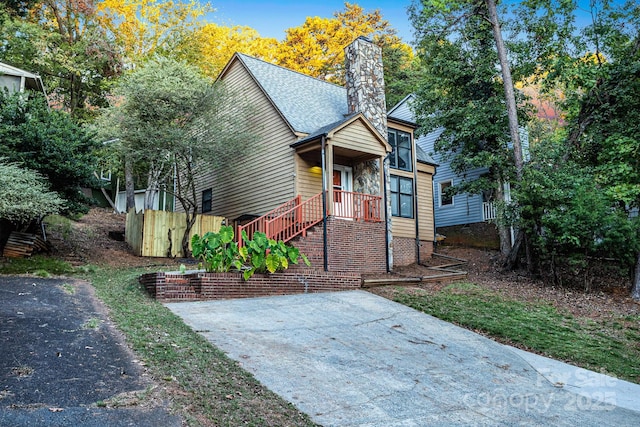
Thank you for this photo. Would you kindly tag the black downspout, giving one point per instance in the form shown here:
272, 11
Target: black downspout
386, 211
324, 206
415, 209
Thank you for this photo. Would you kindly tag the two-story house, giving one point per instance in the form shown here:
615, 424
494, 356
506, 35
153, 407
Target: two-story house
331, 168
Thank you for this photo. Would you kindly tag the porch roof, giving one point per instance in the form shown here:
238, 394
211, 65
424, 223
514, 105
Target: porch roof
379, 148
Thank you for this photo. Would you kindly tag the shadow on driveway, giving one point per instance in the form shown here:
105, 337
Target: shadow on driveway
61, 357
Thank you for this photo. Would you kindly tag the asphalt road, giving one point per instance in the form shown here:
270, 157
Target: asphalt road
60, 357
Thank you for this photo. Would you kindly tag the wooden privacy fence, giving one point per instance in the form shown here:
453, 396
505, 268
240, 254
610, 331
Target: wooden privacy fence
159, 233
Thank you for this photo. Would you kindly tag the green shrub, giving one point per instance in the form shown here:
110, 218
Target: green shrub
267, 255
219, 253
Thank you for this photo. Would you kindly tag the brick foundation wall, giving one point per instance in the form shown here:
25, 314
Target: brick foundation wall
167, 287
426, 249
404, 250
353, 246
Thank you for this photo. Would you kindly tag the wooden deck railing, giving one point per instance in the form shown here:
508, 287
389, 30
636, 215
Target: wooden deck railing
296, 220
358, 206
296, 217
489, 211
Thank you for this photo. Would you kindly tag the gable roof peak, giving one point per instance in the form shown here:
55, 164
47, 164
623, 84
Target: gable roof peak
306, 103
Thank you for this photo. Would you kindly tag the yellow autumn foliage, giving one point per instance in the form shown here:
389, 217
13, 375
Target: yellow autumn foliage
211, 46
142, 27
317, 47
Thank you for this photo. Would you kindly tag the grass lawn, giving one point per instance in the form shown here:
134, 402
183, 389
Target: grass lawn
210, 388
610, 346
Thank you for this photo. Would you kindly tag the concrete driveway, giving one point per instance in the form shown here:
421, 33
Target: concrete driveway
356, 359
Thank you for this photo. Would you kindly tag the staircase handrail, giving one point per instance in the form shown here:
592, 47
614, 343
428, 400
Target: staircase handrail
255, 225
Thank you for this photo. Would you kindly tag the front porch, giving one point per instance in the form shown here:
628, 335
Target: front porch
339, 182
349, 239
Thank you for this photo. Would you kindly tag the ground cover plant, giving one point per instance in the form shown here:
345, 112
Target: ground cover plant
219, 253
38, 265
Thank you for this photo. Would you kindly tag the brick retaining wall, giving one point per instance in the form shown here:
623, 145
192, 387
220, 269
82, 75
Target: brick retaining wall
167, 287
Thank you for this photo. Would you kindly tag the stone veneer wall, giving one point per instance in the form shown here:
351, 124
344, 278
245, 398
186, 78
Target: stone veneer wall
366, 177
365, 94
365, 82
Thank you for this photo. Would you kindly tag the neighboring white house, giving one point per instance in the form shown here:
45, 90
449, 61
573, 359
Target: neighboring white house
16, 80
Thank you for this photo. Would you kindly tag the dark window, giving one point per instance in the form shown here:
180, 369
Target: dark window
446, 198
401, 196
400, 157
206, 201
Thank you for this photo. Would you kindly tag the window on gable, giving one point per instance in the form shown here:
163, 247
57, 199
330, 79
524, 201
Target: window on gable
446, 199
206, 200
400, 157
401, 196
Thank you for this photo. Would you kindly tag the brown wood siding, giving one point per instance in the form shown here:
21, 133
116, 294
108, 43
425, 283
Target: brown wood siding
263, 177
309, 176
425, 202
356, 136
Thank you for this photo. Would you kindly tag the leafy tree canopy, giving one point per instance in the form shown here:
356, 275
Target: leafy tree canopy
62, 42
49, 142
317, 47
171, 118
144, 28
211, 46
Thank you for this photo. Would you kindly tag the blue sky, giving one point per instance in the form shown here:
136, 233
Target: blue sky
272, 18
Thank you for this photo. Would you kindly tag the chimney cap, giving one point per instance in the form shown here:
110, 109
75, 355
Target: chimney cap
365, 38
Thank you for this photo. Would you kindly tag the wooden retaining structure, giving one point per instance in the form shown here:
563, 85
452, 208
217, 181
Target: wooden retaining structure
441, 272
22, 245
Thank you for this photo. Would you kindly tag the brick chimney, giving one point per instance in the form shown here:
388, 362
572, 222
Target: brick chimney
365, 82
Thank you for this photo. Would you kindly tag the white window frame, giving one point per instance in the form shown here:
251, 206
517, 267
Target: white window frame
440, 193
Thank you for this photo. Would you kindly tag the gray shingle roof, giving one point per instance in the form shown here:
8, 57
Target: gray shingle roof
423, 157
308, 104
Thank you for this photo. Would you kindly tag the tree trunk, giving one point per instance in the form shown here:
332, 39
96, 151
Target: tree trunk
635, 289
512, 112
186, 195
191, 219
511, 260
509, 94
128, 184
503, 231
